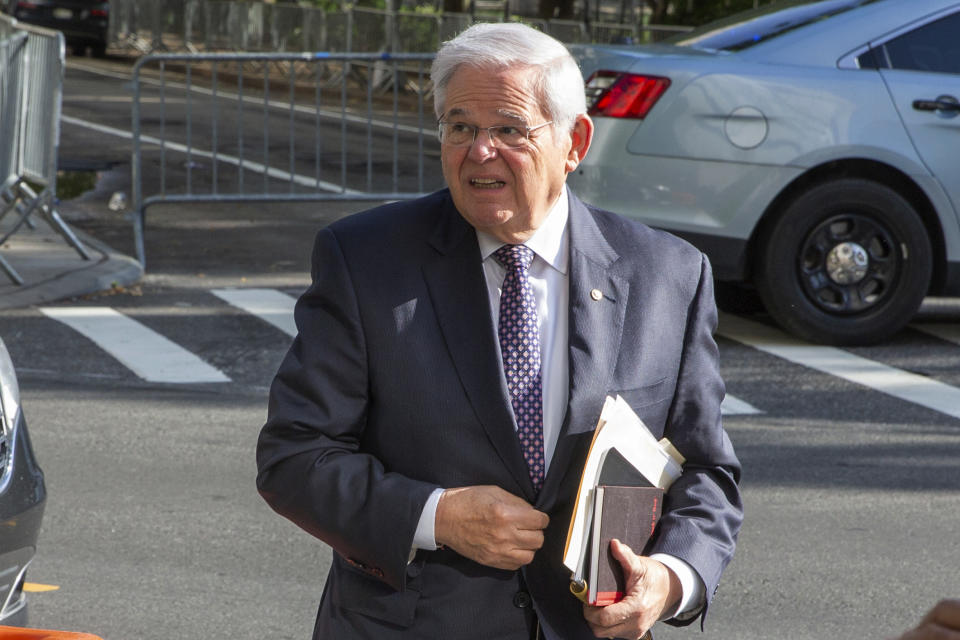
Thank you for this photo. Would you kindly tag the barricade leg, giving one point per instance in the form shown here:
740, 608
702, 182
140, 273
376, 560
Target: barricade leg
8, 195
24, 210
10, 271
10, 201
53, 218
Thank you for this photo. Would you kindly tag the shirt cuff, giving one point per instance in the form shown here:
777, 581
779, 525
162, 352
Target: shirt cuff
423, 538
694, 592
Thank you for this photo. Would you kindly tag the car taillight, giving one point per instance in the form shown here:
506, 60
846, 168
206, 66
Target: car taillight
103, 11
624, 95
26, 5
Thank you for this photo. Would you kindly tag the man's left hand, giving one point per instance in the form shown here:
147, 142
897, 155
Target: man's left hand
652, 590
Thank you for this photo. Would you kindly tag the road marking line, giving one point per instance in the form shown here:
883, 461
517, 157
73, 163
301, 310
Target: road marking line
33, 587
127, 98
269, 305
949, 332
148, 354
276, 308
911, 387
336, 115
733, 406
256, 167
73, 64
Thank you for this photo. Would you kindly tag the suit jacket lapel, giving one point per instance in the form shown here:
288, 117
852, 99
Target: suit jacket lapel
597, 305
458, 292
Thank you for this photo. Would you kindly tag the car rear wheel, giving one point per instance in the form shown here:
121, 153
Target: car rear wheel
846, 262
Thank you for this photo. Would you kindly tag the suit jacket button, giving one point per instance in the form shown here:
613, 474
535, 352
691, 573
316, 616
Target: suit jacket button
522, 600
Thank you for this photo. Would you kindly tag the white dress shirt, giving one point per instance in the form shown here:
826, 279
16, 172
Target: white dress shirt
550, 280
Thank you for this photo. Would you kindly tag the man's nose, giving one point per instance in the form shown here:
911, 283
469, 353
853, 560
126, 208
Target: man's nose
484, 144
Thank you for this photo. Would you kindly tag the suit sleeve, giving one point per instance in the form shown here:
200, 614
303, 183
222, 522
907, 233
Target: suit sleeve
703, 508
312, 467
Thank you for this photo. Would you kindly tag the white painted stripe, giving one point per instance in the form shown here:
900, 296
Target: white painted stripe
148, 354
279, 174
128, 99
911, 387
276, 308
269, 305
332, 114
949, 332
733, 406
72, 63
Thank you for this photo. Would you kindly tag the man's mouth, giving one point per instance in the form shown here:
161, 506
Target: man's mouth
486, 183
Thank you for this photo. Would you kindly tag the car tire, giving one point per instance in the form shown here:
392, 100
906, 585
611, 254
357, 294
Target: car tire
736, 297
846, 262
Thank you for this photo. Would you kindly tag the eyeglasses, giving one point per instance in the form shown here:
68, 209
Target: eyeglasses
461, 134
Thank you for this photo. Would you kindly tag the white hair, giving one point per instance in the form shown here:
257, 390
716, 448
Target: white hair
555, 80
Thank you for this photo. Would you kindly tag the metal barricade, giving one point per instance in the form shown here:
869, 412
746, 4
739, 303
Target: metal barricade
346, 113
11, 103
11, 43
280, 127
147, 26
34, 63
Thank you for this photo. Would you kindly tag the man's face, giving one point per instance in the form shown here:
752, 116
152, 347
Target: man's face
504, 191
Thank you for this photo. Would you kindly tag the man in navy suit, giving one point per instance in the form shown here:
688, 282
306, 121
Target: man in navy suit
396, 435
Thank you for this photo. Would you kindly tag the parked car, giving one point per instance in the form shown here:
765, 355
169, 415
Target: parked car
84, 23
22, 498
811, 149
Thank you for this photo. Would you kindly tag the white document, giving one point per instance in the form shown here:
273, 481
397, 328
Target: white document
621, 429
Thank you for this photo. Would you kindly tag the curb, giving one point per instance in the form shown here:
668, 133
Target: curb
53, 271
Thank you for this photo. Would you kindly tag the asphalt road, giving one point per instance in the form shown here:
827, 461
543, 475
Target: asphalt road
154, 530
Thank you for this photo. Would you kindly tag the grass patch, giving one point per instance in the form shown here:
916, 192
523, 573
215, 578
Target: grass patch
71, 184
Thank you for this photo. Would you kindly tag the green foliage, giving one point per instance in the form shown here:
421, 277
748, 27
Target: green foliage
71, 184
680, 12
697, 12
326, 5
418, 29
717, 10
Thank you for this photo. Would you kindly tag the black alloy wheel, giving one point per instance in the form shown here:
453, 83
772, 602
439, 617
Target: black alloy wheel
847, 262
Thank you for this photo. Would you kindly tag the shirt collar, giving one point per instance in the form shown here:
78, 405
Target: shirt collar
550, 242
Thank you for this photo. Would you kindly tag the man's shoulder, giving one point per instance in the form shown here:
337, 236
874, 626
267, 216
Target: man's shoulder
628, 236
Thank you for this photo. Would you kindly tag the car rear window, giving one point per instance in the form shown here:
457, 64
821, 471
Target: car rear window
743, 30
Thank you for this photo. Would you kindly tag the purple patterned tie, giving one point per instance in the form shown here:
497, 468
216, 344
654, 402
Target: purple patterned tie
520, 347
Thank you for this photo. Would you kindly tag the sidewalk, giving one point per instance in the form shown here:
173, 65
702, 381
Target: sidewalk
53, 270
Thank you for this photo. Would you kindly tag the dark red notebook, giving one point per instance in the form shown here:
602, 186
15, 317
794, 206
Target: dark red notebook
630, 515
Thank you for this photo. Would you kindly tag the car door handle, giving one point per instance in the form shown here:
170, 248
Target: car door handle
942, 103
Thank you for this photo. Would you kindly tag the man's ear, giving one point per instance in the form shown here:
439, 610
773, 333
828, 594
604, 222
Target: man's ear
580, 136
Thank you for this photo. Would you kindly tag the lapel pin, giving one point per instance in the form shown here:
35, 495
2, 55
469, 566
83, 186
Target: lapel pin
596, 294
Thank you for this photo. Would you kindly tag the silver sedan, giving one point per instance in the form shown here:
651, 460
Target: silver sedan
811, 149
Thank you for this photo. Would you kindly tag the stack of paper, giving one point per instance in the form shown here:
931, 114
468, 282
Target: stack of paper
619, 429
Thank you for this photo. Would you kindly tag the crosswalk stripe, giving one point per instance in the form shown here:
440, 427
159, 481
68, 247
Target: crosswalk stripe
155, 358
148, 354
948, 332
276, 308
269, 305
911, 387
733, 406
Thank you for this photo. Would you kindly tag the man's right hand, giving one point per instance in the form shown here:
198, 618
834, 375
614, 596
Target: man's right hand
941, 623
490, 526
